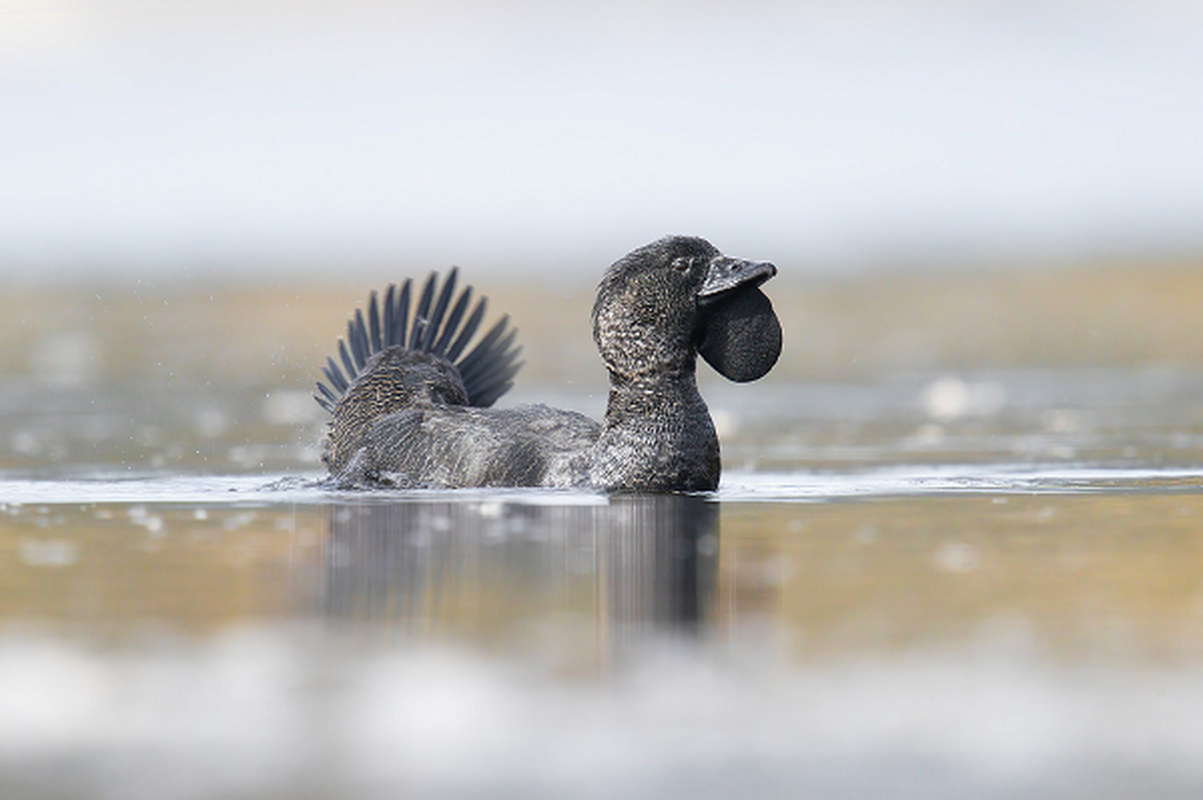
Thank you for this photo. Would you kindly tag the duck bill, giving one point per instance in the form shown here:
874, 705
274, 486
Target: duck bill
725, 274
739, 335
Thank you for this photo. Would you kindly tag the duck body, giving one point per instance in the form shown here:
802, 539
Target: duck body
431, 446
409, 412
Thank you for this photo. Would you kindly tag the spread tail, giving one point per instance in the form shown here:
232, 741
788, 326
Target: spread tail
439, 327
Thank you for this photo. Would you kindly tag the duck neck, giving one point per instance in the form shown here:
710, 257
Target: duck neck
657, 435
642, 397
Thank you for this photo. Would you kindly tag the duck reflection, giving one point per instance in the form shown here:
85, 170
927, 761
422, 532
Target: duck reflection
491, 568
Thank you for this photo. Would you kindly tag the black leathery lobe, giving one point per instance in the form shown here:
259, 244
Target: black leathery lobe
742, 336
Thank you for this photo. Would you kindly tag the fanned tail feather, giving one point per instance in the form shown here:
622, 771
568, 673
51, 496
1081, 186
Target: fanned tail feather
487, 370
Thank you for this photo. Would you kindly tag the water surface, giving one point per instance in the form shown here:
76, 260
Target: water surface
920, 583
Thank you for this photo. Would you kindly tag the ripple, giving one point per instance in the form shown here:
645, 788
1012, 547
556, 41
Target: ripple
737, 486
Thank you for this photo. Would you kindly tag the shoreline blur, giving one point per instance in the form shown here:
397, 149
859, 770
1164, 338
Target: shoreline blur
255, 333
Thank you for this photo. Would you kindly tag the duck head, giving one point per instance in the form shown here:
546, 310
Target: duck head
659, 306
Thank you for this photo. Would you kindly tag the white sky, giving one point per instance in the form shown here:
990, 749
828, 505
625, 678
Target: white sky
157, 135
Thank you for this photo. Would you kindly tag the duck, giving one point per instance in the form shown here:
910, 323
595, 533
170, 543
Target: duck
411, 397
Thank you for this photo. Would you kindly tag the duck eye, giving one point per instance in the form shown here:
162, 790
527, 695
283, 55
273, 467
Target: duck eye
682, 264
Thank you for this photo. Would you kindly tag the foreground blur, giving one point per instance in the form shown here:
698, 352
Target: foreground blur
536, 644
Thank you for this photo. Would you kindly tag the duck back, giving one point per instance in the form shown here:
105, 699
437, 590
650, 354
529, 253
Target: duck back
392, 362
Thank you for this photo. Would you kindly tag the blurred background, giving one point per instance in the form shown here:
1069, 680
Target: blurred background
243, 139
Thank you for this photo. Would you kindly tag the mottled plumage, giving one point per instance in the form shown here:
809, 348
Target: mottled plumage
410, 412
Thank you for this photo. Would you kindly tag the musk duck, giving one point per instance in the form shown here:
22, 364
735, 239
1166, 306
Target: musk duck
411, 403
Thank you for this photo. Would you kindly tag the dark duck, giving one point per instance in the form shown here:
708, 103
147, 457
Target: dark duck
411, 403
